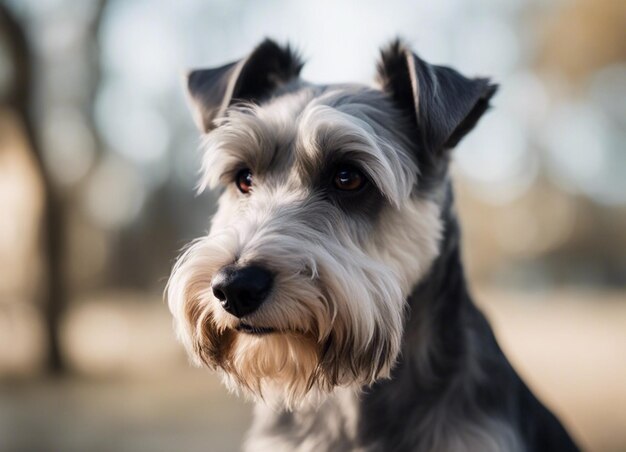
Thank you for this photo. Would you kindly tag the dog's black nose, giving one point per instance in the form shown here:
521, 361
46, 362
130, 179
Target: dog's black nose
241, 290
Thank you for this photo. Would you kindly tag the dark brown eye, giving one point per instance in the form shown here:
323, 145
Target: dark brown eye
348, 178
244, 180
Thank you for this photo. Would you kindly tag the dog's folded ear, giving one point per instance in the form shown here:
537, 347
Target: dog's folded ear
251, 79
443, 104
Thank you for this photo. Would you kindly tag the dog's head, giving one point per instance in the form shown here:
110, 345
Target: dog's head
329, 215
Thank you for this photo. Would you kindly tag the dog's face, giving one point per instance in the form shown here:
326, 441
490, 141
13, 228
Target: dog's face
328, 216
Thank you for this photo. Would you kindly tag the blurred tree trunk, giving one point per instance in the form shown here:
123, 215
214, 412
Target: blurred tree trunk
20, 100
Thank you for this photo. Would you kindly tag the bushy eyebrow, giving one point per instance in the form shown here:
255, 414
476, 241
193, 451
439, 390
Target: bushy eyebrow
241, 140
327, 135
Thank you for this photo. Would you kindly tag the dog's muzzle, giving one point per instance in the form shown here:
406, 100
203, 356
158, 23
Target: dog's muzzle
241, 291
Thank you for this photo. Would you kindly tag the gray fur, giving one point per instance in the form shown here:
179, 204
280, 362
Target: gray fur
374, 341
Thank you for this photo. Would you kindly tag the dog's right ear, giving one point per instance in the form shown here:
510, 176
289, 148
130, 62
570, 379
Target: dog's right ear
250, 79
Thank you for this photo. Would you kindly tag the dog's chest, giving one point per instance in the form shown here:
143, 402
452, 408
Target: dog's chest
334, 426
331, 426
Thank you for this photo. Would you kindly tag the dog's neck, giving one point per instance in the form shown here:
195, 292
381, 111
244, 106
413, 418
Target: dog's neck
434, 339
439, 380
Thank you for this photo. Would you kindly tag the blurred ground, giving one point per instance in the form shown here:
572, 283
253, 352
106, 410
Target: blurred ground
170, 413
570, 346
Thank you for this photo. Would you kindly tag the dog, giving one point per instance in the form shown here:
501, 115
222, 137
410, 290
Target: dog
330, 287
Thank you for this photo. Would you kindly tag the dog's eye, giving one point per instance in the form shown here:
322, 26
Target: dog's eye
348, 178
244, 180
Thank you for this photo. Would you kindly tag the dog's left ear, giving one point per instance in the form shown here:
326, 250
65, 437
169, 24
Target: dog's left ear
251, 79
443, 104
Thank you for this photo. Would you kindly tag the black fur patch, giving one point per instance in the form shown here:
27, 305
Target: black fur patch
252, 79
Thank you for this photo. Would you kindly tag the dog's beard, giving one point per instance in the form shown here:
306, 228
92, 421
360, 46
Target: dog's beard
336, 319
335, 315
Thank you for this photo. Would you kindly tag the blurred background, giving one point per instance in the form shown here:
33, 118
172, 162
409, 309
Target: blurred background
99, 160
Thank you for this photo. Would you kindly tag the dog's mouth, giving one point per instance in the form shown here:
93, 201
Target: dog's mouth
256, 330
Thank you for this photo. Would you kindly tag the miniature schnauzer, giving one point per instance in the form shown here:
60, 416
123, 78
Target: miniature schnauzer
330, 287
